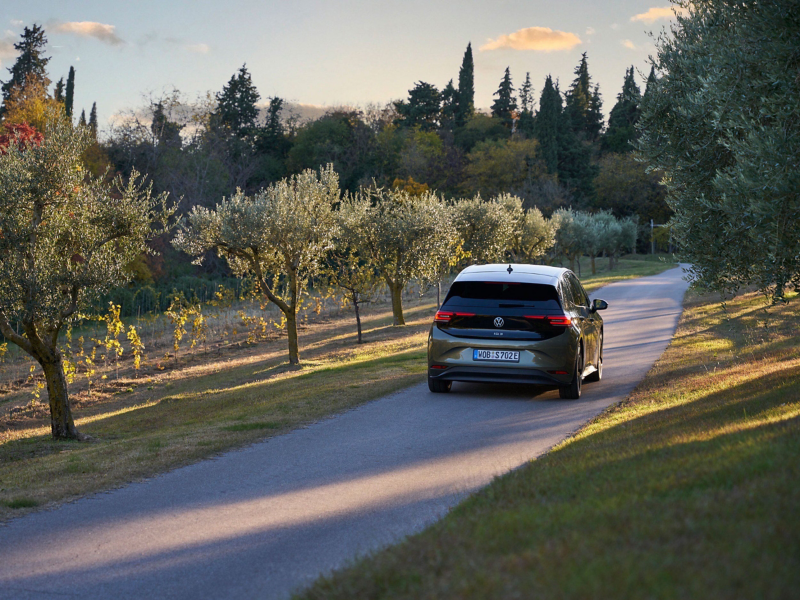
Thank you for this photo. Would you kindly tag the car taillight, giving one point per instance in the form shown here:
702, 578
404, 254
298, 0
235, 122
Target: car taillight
443, 316
458, 314
559, 321
538, 317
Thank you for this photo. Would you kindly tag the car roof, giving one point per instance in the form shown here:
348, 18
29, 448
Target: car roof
520, 273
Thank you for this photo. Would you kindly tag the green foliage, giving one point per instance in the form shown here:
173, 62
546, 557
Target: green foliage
29, 63
721, 122
534, 237
480, 128
505, 105
526, 123
487, 229
622, 120
583, 105
66, 237
496, 167
624, 186
465, 107
340, 138
546, 124
422, 109
69, 97
236, 103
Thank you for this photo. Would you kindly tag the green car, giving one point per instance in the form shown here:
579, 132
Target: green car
517, 324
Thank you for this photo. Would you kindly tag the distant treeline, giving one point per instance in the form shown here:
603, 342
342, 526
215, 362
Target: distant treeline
552, 148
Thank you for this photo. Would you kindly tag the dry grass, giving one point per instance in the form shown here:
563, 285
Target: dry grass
177, 412
688, 489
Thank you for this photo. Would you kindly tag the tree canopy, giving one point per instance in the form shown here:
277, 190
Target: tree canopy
721, 122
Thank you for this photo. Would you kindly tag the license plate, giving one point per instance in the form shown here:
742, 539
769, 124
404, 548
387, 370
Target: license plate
496, 355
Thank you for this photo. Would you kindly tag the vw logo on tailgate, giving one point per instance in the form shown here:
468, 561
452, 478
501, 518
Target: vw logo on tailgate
498, 322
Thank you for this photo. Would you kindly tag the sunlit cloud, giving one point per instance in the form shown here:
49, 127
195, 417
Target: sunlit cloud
542, 39
628, 44
100, 31
655, 14
198, 48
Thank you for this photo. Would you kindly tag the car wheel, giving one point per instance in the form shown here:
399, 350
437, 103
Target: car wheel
573, 390
598, 374
439, 387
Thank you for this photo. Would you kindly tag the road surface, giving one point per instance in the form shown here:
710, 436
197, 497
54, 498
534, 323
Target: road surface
267, 520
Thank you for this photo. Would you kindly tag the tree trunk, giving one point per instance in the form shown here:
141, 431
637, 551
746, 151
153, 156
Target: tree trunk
291, 329
61, 423
572, 263
397, 303
594, 268
610, 261
358, 319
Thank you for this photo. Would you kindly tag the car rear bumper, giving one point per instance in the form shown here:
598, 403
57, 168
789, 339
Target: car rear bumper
483, 374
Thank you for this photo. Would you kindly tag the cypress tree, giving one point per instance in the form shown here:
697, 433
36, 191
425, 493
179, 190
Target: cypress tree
651, 79
236, 103
93, 119
29, 63
70, 94
583, 104
466, 88
622, 120
505, 105
525, 125
58, 92
545, 124
82, 121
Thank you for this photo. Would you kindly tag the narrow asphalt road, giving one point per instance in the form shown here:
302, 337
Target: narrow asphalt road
268, 519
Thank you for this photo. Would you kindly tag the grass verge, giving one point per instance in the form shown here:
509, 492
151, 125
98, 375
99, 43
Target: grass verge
688, 489
217, 401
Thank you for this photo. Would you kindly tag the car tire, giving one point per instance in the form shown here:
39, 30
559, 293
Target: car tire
573, 390
439, 387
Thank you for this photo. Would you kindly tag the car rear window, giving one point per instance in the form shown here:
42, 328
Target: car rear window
489, 293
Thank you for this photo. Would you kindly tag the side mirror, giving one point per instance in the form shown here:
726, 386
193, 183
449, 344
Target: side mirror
598, 304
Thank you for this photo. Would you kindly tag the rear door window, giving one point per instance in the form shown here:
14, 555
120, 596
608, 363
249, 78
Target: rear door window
502, 294
581, 299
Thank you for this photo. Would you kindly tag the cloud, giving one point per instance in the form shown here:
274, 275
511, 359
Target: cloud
100, 31
654, 14
543, 39
589, 30
198, 48
628, 44
16, 22
7, 50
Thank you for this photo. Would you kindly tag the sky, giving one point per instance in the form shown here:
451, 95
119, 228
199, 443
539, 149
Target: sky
329, 53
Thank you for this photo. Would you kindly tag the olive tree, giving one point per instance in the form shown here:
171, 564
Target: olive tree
534, 237
279, 235
487, 228
345, 265
403, 236
721, 121
66, 238
568, 234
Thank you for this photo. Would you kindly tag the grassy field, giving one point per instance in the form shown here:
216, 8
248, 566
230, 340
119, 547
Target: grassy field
689, 489
215, 401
